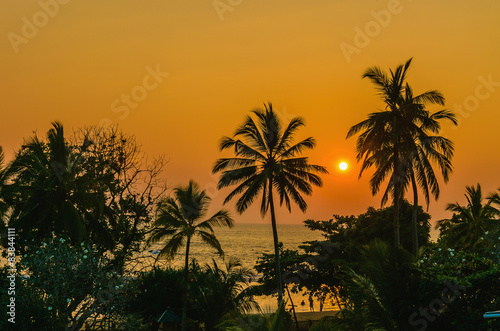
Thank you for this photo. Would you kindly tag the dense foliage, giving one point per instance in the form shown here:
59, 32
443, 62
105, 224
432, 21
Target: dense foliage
378, 286
456, 288
93, 187
214, 294
60, 285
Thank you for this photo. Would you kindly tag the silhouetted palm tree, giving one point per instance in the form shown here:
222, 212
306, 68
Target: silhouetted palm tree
49, 190
470, 222
397, 142
266, 161
267, 321
222, 291
423, 149
495, 198
181, 218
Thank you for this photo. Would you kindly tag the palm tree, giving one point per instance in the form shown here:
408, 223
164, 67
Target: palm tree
49, 189
366, 310
223, 291
180, 219
397, 142
424, 148
469, 223
265, 321
266, 161
495, 198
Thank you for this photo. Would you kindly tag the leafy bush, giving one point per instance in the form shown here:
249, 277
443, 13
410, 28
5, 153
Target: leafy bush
456, 289
60, 286
154, 291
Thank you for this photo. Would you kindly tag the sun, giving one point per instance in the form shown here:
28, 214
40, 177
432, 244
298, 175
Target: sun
343, 166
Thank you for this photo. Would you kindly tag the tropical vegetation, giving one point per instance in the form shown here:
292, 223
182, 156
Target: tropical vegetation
93, 231
470, 223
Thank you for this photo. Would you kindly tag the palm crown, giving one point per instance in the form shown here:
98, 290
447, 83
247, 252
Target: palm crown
265, 151
180, 218
471, 221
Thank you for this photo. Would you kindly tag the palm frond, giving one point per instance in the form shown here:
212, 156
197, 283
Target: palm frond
430, 97
308, 143
236, 176
220, 218
176, 242
291, 129
231, 163
251, 132
211, 240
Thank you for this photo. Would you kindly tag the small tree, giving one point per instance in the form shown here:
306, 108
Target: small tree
470, 222
180, 219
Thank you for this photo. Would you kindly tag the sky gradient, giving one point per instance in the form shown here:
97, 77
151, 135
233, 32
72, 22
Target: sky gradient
194, 69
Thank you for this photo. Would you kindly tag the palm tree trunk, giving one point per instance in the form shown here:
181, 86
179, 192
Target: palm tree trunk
397, 181
186, 279
414, 230
276, 248
293, 309
337, 299
397, 240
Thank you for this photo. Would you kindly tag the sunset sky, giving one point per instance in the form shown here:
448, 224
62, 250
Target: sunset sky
197, 67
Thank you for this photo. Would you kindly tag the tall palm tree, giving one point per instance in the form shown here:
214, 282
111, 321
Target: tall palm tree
180, 219
470, 222
267, 160
424, 148
398, 143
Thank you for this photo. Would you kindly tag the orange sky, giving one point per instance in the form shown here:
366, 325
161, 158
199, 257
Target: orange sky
73, 60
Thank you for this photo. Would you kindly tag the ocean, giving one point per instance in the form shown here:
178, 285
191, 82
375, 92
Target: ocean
247, 242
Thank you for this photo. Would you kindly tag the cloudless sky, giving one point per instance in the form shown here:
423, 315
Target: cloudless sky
217, 60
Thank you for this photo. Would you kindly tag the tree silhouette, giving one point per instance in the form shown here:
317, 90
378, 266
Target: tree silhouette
267, 161
398, 142
49, 191
95, 185
180, 219
470, 222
